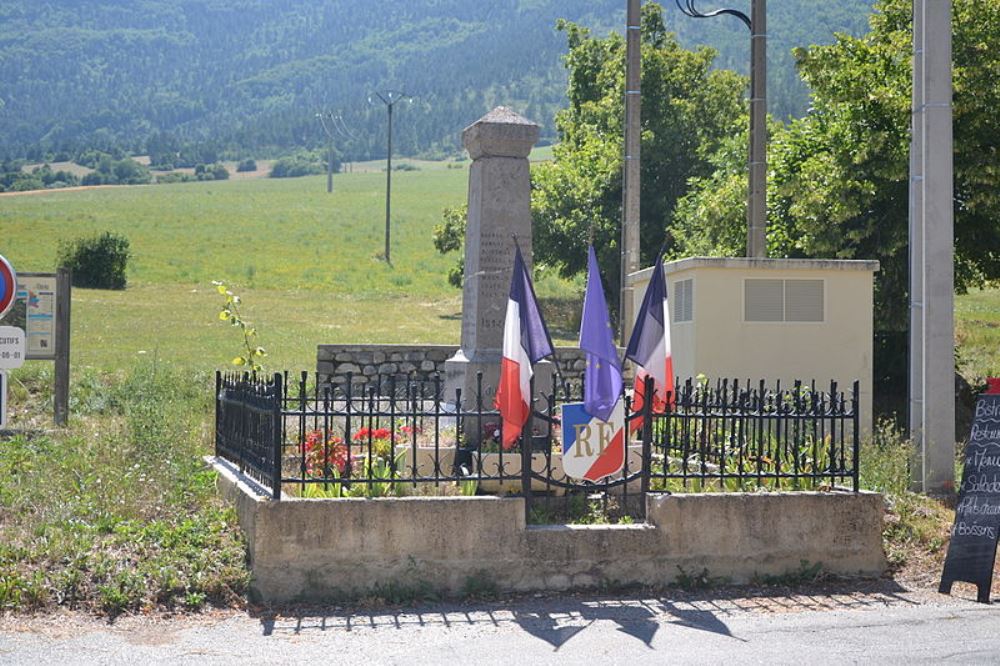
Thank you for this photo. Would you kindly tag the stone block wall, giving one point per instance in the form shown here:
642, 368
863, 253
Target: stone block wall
308, 549
368, 362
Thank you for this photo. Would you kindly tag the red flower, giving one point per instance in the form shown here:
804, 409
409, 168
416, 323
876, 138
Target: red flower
366, 433
337, 455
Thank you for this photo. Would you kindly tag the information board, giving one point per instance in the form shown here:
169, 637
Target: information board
973, 548
34, 311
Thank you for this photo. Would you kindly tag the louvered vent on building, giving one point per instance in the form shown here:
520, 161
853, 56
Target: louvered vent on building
783, 300
684, 300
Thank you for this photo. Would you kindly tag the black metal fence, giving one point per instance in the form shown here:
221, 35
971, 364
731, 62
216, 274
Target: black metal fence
377, 437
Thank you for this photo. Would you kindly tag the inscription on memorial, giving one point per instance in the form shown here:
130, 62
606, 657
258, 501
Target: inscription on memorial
973, 547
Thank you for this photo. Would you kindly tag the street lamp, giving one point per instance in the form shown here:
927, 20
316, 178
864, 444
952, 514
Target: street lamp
757, 196
390, 98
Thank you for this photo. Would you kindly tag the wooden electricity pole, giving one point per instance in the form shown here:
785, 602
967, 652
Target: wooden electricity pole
757, 190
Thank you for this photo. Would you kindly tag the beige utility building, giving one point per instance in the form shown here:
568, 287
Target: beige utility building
771, 319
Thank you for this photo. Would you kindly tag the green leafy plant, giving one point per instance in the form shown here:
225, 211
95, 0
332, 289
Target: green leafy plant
697, 580
805, 574
252, 353
468, 486
97, 262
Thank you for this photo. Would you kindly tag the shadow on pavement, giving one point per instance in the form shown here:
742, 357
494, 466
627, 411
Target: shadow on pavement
556, 620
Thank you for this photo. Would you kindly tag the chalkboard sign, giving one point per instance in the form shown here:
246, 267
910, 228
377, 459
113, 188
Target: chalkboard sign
973, 548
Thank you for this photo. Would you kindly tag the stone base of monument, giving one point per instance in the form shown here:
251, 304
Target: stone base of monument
462, 372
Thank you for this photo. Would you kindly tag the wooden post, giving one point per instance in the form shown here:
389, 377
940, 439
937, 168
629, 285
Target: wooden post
63, 300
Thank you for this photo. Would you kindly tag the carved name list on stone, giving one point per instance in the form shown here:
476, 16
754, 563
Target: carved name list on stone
499, 209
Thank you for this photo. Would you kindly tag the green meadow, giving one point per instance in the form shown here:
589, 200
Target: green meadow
307, 263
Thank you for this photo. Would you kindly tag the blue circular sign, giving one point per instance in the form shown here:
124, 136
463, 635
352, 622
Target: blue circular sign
8, 285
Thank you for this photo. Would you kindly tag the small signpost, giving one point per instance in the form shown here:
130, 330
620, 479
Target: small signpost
592, 449
38, 305
11, 356
973, 548
9, 352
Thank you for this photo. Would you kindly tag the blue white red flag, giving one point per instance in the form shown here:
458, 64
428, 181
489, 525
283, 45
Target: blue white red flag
525, 342
649, 347
602, 387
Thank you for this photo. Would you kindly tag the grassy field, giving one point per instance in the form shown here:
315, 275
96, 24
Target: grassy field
977, 334
306, 262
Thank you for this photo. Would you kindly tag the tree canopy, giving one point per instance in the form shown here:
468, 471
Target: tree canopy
839, 179
689, 109
191, 81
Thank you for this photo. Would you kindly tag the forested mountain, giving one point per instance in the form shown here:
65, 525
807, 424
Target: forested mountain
248, 76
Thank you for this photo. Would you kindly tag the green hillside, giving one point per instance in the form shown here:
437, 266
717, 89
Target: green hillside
248, 76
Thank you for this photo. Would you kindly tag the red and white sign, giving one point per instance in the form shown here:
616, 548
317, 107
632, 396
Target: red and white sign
592, 449
8, 286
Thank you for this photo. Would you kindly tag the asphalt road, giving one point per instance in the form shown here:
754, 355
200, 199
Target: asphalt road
778, 630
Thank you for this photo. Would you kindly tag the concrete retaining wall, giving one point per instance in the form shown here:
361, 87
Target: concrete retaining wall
333, 362
303, 549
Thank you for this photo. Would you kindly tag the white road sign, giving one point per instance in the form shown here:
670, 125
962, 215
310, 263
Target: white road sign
12, 347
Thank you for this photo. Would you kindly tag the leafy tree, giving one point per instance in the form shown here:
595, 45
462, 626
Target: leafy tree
839, 182
449, 236
689, 110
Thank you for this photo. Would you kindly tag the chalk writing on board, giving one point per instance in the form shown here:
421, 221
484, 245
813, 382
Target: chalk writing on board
972, 551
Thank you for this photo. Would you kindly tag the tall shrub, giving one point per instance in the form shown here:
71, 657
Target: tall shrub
97, 262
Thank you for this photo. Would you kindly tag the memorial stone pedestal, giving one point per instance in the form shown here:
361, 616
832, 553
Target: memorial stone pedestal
499, 210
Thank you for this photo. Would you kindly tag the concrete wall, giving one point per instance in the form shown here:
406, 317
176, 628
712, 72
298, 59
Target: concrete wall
720, 343
303, 549
333, 362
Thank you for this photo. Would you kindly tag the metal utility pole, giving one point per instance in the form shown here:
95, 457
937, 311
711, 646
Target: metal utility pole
757, 194
632, 175
932, 261
390, 98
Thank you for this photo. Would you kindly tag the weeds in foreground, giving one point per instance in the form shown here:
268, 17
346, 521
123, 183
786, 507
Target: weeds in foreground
807, 574
700, 580
579, 509
916, 529
117, 513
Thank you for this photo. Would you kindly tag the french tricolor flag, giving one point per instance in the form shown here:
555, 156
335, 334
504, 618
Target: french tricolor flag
649, 347
525, 342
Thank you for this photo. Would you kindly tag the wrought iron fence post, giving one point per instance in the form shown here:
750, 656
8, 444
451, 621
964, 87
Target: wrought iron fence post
526, 449
276, 437
857, 436
218, 410
647, 437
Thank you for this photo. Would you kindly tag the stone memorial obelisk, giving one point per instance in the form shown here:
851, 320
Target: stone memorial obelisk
499, 210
